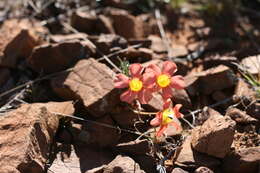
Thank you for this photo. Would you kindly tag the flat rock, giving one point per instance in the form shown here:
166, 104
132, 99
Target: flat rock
216, 78
21, 36
102, 133
81, 160
203, 170
84, 21
243, 160
215, 136
122, 164
124, 117
240, 116
50, 58
179, 170
26, 136
104, 25
140, 55
205, 114
106, 42
252, 64
244, 91
91, 83
191, 159
157, 44
136, 147
4, 75
125, 24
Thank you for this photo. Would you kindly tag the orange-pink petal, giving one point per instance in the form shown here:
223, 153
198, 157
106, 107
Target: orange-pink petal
167, 93
178, 82
144, 96
128, 96
149, 79
167, 104
161, 130
121, 81
136, 70
169, 68
152, 68
176, 111
157, 120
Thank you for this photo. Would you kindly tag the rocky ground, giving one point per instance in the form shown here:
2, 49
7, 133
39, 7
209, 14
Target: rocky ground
60, 112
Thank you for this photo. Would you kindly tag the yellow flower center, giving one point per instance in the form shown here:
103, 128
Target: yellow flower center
167, 116
163, 80
135, 85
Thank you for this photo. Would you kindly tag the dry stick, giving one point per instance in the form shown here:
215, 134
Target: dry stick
162, 32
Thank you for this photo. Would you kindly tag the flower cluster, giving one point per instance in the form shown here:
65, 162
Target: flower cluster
143, 82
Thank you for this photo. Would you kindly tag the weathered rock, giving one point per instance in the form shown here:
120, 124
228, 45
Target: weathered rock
146, 162
125, 24
243, 160
103, 133
244, 92
215, 136
21, 36
155, 104
144, 42
78, 37
240, 116
26, 136
84, 21
124, 117
252, 64
4, 75
203, 170
138, 55
181, 97
106, 42
136, 147
122, 164
104, 25
157, 44
217, 78
179, 170
192, 84
191, 159
50, 58
81, 159
91, 83
205, 114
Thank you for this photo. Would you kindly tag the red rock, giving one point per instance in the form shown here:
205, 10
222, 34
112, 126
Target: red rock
215, 136
122, 164
50, 58
103, 133
91, 83
179, 170
217, 78
240, 116
138, 55
125, 24
243, 160
203, 170
245, 92
81, 159
84, 21
252, 64
157, 44
27, 134
190, 159
21, 36
4, 75
205, 114
106, 42
124, 117
137, 147
104, 25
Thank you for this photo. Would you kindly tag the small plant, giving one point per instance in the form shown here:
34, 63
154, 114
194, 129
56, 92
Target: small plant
143, 82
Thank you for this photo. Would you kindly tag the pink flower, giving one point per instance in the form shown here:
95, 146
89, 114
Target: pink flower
138, 85
169, 115
164, 79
